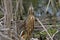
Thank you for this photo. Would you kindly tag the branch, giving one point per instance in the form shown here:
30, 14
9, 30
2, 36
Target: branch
17, 4
2, 19
1, 9
54, 8
47, 28
47, 6
15, 37
4, 29
44, 28
5, 36
55, 33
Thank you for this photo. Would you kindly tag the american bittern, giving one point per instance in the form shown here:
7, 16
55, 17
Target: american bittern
30, 22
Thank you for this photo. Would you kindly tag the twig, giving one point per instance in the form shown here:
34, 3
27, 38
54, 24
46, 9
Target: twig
5, 12
15, 37
55, 33
44, 28
5, 36
4, 29
17, 4
1, 9
47, 28
47, 6
1, 18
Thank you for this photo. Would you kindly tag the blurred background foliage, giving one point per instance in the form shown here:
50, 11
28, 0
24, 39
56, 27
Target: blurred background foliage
40, 8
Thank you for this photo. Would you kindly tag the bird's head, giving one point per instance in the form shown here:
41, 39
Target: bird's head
31, 10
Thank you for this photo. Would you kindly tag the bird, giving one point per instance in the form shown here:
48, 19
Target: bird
30, 22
